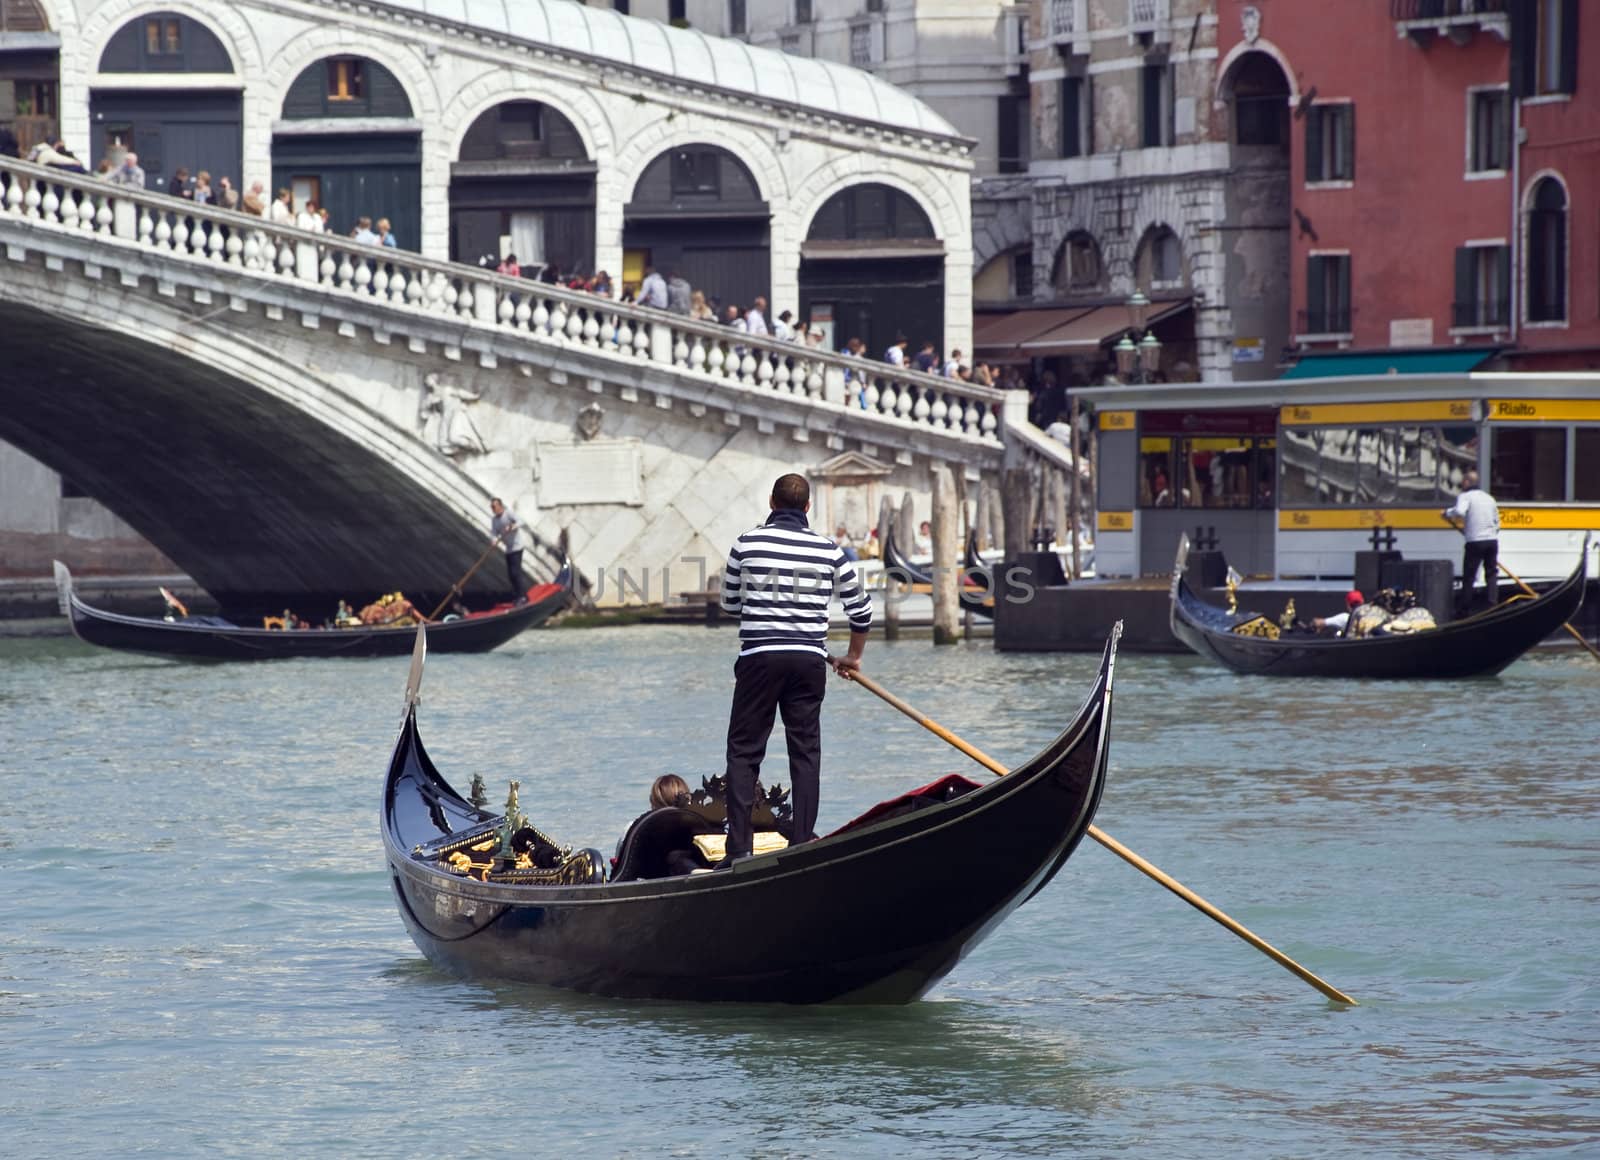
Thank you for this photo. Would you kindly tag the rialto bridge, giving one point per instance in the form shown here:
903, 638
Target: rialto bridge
285, 413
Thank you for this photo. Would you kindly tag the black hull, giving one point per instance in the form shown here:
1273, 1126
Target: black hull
1479, 646
206, 642
975, 600
873, 914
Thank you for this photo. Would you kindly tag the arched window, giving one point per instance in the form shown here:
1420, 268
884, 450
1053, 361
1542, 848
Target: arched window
1077, 266
521, 131
1260, 96
345, 86
1158, 265
164, 42
867, 213
22, 16
1547, 252
692, 176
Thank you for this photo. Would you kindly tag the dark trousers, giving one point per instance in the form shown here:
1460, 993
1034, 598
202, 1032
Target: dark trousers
792, 683
514, 572
1483, 554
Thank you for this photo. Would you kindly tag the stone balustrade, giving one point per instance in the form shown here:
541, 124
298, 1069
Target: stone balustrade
404, 282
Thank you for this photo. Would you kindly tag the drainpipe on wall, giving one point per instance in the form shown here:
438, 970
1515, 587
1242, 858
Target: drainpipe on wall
1516, 215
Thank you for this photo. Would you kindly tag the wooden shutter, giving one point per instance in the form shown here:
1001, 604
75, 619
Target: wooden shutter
1316, 294
1569, 47
1314, 144
1347, 131
1151, 89
1071, 117
1502, 286
1340, 307
1466, 310
1524, 46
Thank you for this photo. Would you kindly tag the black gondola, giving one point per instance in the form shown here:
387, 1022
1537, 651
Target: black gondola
1477, 646
209, 638
976, 576
876, 912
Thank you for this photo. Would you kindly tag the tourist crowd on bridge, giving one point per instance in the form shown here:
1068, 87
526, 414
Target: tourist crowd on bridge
671, 292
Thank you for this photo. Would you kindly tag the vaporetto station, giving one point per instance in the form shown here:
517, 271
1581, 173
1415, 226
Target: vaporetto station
1294, 476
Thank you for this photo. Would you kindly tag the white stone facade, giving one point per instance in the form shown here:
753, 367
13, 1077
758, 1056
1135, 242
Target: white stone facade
804, 135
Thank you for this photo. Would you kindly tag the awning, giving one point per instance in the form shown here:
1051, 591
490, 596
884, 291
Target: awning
880, 249
1094, 329
998, 333
1390, 362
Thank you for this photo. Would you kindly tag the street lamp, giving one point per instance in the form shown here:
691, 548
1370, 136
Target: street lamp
1138, 361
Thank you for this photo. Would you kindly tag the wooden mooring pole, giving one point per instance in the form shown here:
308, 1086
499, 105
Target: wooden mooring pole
945, 567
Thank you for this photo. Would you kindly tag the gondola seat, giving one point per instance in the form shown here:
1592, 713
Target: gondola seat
644, 849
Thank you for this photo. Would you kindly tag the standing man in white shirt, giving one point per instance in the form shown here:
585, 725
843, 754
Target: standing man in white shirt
896, 354
756, 320
653, 290
1480, 517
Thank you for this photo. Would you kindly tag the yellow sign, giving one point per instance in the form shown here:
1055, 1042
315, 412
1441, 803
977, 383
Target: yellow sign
1547, 519
1116, 521
1360, 519
1544, 410
1117, 420
1550, 519
1438, 411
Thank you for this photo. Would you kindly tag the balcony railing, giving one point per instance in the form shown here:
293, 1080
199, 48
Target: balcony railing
1063, 18
1407, 10
1143, 13
252, 250
1478, 313
1333, 320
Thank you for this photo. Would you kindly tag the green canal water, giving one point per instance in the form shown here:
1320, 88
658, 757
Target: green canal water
199, 954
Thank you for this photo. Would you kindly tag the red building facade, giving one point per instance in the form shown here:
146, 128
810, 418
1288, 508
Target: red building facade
1445, 170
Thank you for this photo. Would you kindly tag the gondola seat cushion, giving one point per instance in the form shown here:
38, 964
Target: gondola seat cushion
645, 848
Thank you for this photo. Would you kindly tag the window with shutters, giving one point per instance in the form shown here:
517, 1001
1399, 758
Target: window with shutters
1327, 309
1077, 119
1483, 287
1077, 266
802, 12
1155, 105
1331, 143
736, 18
1544, 47
1545, 293
1013, 133
1488, 131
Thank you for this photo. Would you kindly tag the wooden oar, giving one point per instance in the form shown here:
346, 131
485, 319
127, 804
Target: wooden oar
1113, 845
455, 589
1521, 583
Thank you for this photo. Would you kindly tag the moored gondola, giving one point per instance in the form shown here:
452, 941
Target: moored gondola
876, 912
976, 581
1479, 645
209, 638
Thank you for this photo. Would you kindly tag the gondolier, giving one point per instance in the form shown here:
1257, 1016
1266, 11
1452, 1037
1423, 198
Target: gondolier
508, 531
1480, 517
779, 581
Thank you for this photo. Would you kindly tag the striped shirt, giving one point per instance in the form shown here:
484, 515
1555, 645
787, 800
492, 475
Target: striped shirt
779, 580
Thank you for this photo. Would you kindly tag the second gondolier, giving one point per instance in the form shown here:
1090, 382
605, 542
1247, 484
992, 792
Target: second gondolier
508, 531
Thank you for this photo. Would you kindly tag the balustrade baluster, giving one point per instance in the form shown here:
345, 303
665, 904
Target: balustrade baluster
235, 249
69, 209
344, 271
714, 360
558, 319
624, 334
216, 242
399, 287
541, 318
591, 328
363, 278
697, 356
180, 236
921, 410
257, 251
13, 197
198, 237
380, 282
642, 339
49, 205
575, 325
